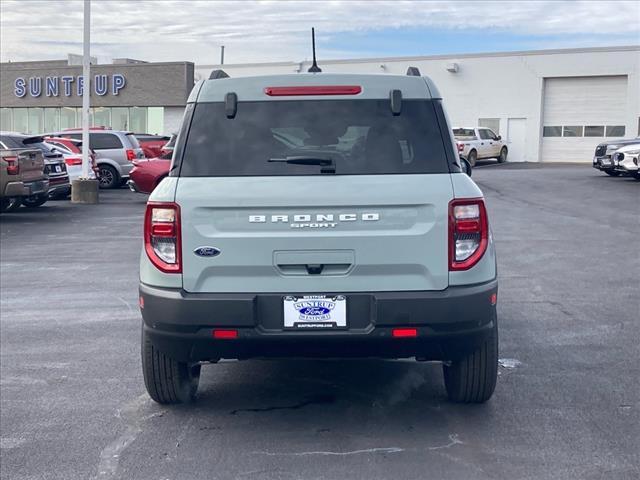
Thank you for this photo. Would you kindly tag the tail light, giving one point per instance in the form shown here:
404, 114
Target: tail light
13, 167
131, 155
72, 161
468, 232
162, 236
460, 147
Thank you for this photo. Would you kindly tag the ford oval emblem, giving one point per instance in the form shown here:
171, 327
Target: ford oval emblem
207, 251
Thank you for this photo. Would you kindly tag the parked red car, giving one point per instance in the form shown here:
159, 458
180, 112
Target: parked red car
147, 174
151, 144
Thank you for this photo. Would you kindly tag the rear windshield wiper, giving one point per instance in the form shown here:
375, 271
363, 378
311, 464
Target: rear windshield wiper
304, 160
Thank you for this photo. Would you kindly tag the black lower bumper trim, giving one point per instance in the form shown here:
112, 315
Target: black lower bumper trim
448, 323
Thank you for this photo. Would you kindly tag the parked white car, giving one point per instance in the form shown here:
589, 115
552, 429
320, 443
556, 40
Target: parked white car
625, 160
479, 143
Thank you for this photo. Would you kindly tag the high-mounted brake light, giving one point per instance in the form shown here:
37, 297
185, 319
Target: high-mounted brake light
468, 232
13, 167
162, 239
313, 90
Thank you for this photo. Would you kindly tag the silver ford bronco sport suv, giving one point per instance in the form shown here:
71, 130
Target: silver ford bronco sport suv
317, 215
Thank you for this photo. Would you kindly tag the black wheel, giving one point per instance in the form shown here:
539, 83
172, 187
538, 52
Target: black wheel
472, 157
109, 177
167, 380
10, 204
503, 155
35, 200
613, 173
472, 379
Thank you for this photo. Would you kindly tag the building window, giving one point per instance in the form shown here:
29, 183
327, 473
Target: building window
491, 123
615, 131
138, 119
79, 117
120, 118
21, 120
155, 120
101, 117
67, 117
36, 120
594, 131
552, 132
572, 131
51, 119
5, 119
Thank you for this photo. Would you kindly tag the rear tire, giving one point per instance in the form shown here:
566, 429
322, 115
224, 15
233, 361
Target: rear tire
35, 201
612, 173
10, 204
167, 380
472, 379
472, 157
109, 177
503, 155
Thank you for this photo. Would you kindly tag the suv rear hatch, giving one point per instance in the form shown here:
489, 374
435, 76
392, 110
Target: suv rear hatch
314, 196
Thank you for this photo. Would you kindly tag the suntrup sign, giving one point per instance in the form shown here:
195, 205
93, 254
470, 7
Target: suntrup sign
67, 85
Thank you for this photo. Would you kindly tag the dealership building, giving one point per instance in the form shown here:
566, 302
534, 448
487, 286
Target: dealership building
548, 105
127, 94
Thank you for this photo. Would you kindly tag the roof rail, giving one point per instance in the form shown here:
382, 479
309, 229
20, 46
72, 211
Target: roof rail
413, 72
216, 74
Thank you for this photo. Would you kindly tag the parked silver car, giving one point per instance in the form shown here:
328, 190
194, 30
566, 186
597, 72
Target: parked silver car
115, 152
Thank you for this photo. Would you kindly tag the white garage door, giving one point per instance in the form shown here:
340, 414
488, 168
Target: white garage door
579, 113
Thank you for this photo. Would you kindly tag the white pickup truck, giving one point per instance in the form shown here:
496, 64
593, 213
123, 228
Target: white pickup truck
479, 143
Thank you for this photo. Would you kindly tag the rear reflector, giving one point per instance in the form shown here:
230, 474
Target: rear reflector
404, 332
225, 334
313, 90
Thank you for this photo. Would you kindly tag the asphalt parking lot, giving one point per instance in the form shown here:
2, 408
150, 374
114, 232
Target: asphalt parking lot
567, 404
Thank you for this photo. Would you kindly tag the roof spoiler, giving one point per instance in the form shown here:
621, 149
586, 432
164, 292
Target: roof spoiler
413, 72
217, 74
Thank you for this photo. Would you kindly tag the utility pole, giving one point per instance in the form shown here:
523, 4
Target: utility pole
86, 87
221, 54
85, 189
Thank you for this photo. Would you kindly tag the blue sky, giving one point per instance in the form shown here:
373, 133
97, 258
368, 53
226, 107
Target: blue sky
434, 41
267, 31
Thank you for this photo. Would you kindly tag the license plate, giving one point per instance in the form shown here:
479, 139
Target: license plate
315, 312
58, 168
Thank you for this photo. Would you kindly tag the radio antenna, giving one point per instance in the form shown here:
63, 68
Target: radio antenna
314, 68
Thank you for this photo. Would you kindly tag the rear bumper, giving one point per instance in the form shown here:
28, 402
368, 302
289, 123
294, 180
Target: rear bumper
59, 187
449, 323
25, 189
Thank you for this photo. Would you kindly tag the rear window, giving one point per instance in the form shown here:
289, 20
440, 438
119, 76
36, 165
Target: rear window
464, 132
104, 141
358, 137
134, 141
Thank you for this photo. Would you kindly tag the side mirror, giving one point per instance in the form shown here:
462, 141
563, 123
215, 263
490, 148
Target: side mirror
499, 137
466, 166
